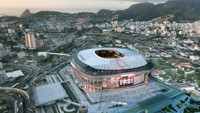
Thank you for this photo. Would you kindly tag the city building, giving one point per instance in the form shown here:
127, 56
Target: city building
15, 74
1, 50
4, 51
2, 76
193, 58
30, 41
110, 68
2, 73
49, 94
11, 31
1, 65
21, 54
22, 27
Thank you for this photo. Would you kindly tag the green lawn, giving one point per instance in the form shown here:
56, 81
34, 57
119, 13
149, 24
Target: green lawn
70, 106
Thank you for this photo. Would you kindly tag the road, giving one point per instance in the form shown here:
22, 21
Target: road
10, 99
23, 96
27, 104
70, 92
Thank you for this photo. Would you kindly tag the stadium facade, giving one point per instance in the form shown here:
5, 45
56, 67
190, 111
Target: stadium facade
110, 68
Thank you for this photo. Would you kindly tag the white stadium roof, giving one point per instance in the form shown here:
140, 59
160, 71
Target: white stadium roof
130, 60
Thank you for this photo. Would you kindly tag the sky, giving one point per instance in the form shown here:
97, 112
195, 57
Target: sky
71, 3
16, 7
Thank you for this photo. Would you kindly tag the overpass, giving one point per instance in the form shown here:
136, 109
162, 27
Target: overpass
50, 53
22, 92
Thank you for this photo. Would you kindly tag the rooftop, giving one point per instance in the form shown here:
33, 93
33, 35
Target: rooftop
49, 93
111, 58
1, 65
15, 74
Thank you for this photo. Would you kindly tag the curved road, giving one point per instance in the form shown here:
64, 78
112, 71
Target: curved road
27, 97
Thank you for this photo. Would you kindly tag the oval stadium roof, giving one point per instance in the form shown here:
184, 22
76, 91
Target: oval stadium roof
130, 59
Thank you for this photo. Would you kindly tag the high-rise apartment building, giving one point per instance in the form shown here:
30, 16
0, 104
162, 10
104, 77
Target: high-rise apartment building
30, 41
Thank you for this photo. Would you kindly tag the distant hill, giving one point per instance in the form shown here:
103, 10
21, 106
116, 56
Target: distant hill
10, 18
59, 14
181, 9
104, 12
142, 11
26, 14
177, 10
46, 13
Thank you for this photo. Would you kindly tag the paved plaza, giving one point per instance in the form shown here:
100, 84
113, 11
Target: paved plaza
130, 96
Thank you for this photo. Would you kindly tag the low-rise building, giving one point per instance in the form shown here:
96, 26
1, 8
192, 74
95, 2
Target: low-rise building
15, 74
194, 58
49, 94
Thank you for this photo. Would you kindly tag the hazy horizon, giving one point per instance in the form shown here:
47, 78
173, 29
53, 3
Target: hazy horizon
18, 11
15, 8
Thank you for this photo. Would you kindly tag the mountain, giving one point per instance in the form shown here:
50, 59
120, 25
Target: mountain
140, 11
180, 9
47, 13
174, 10
104, 12
26, 14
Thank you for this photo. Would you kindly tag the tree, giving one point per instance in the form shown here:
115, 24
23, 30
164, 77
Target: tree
179, 71
196, 81
197, 70
185, 76
189, 76
41, 36
198, 74
194, 78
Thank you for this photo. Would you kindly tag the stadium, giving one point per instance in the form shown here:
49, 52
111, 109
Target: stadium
110, 68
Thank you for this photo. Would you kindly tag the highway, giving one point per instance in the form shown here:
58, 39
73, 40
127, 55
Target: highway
33, 71
26, 104
10, 99
29, 81
21, 93
45, 72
